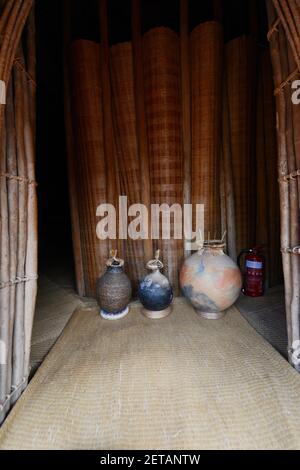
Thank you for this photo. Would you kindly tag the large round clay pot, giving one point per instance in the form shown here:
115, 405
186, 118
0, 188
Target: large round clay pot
211, 280
155, 291
114, 290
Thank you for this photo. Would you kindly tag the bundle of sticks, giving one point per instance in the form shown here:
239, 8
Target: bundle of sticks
18, 204
284, 41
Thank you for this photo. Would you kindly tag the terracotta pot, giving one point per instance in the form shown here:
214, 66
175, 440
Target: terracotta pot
211, 280
155, 291
114, 290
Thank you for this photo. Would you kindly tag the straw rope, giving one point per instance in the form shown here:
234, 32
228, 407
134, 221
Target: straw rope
285, 82
15, 389
17, 280
273, 29
292, 250
18, 62
291, 176
22, 179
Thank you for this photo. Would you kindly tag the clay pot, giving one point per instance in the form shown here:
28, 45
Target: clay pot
155, 291
114, 290
210, 280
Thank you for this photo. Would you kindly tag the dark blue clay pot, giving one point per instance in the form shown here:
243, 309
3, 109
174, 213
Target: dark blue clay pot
155, 292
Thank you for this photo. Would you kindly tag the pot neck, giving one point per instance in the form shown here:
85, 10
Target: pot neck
216, 246
155, 265
114, 268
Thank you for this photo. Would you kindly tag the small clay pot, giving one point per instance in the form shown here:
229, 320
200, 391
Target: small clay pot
114, 290
155, 292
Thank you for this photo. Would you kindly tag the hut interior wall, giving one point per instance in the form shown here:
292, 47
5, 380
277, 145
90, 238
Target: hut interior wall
139, 97
224, 160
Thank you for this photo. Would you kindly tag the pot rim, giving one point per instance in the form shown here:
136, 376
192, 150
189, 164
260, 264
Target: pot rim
213, 244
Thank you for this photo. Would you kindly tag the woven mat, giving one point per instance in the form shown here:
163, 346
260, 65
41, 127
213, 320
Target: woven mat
54, 308
267, 316
176, 383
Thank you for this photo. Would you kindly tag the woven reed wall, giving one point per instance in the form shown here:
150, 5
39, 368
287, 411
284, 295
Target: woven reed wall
127, 146
232, 114
163, 112
206, 90
268, 215
241, 108
89, 154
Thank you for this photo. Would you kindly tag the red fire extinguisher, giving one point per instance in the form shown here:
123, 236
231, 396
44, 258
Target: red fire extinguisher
254, 267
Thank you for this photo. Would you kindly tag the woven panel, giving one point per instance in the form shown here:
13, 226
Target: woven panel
262, 226
179, 383
90, 162
163, 112
127, 146
241, 88
206, 70
271, 215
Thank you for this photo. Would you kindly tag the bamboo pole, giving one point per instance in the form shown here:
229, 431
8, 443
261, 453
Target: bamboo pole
141, 116
31, 65
7, 23
13, 215
16, 33
8, 4
7, 33
289, 14
19, 327
186, 107
73, 194
294, 203
275, 41
11, 37
4, 273
294, 9
31, 264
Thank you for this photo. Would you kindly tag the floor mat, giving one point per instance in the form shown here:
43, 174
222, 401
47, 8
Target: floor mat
181, 382
267, 316
54, 308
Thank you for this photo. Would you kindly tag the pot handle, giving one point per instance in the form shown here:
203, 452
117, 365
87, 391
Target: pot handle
242, 252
